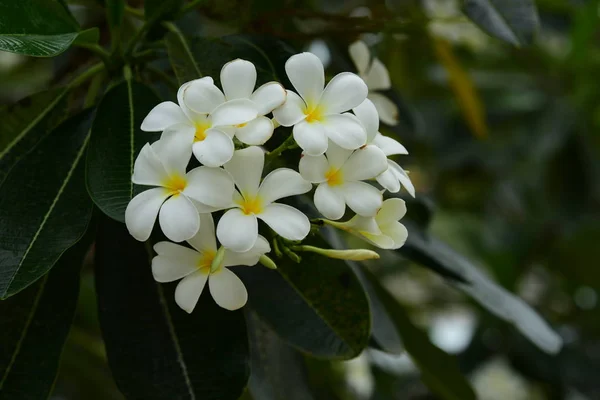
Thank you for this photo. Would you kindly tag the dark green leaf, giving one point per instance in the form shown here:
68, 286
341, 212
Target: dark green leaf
115, 11
307, 305
25, 123
439, 371
44, 207
35, 325
156, 350
514, 21
276, 367
156, 10
41, 28
89, 36
116, 140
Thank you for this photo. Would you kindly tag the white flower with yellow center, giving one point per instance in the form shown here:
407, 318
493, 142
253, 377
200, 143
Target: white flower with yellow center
339, 173
318, 114
238, 227
176, 194
394, 177
175, 262
384, 230
207, 124
376, 76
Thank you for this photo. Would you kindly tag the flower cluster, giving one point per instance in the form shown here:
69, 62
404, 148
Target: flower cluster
335, 125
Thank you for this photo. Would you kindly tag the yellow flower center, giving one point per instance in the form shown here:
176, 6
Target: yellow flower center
334, 177
251, 205
201, 128
174, 184
241, 125
206, 261
314, 113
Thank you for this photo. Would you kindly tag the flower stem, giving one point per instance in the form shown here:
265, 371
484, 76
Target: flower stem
288, 143
87, 74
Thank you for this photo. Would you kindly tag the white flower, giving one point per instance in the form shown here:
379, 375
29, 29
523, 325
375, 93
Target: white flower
238, 78
163, 165
339, 173
394, 176
238, 227
383, 230
174, 262
207, 125
376, 76
317, 113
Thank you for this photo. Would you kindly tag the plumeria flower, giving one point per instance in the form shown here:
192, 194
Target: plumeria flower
205, 126
318, 114
376, 76
384, 230
174, 262
394, 176
339, 173
238, 227
176, 194
238, 78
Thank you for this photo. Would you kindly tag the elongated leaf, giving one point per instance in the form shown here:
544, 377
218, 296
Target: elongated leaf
439, 370
156, 350
514, 21
25, 123
276, 367
307, 305
155, 10
35, 325
115, 11
115, 143
44, 207
36, 27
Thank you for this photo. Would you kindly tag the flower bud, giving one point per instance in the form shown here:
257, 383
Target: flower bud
352, 254
217, 262
267, 262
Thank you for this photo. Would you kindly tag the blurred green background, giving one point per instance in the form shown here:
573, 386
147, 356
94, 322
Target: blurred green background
504, 153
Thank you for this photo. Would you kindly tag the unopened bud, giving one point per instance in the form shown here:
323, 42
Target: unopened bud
267, 262
218, 260
353, 254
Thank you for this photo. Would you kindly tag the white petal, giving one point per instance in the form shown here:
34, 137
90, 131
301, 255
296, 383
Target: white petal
188, 291
211, 186
392, 210
402, 176
249, 257
388, 181
313, 168
256, 132
204, 240
337, 156
179, 219
364, 224
344, 92
238, 78
227, 289
280, 183
174, 263
388, 145
377, 78
388, 111
234, 112
215, 150
311, 137
202, 97
362, 198
365, 163
330, 201
397, 232
163, 116
268, 97
360, 55
345, 130
148, 169
237, 231
142, 210
286, 221
175, 148
382, 241
306, 73
246, 168
368, 117
207, 80
292, 111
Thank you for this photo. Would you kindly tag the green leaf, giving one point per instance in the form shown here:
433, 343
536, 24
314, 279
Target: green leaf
307, 305
25, 123
514, 21
115, 143
115, 11
156, 350
89, 36
439, 370
276, 367
41, 28
155, 10
45, 207
35, 325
